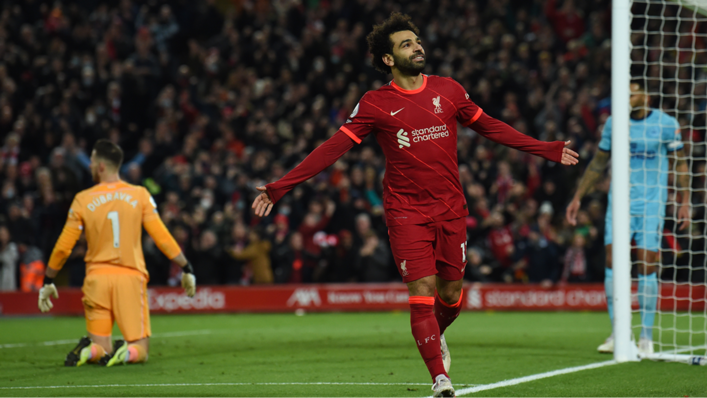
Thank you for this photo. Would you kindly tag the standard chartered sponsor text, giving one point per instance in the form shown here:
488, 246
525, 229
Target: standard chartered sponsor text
539, 298
430, 133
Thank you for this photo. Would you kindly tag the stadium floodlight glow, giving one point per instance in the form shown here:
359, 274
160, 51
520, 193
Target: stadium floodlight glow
664, 43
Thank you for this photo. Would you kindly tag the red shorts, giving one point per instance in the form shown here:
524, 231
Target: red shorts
437, 248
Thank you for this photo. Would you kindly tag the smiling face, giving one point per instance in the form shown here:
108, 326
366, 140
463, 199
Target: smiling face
408, 55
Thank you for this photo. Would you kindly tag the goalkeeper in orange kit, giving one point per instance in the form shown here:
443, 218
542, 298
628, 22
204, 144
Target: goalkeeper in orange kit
112, 214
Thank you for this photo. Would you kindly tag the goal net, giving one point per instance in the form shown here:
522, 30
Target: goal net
669, 54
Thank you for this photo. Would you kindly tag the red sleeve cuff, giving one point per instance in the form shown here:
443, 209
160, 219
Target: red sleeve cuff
271, 194
556, 148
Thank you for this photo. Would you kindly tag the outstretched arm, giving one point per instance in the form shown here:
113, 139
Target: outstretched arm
324, 156
594, 171
678, 165
497, 131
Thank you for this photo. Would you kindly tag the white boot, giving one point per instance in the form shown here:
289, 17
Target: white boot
446, 358
608, 346
645, 347
443, 387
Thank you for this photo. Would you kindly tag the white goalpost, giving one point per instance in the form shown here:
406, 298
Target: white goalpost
624, 349
663, 43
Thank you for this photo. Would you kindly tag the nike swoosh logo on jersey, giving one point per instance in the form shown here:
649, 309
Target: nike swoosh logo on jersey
396, 112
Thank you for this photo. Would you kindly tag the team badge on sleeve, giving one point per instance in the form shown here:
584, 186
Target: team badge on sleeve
153, 203
353, 114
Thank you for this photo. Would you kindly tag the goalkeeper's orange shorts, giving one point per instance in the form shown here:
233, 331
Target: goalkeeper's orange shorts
116, 294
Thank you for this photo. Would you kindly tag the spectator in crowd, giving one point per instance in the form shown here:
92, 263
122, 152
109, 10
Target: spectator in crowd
342, 262
289, 260
32, 267
208, 104
315, 221
19, 223
257, 254
575, 261
537, 259
238, 272
208, 259
373, 259
500, 240
481, 268
9, 257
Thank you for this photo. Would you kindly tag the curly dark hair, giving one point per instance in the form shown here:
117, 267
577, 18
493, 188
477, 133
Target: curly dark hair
379, 42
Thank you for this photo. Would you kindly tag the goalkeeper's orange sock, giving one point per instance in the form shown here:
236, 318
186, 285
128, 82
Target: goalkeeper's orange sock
97, 352
136, 354
446, 313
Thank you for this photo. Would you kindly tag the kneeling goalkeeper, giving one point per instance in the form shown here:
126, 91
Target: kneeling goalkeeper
112, 214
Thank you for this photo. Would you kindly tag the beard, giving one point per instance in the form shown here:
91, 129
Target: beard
408, 67
638, 111
95, 176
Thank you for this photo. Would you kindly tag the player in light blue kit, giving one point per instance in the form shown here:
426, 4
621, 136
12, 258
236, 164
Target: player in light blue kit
656, 149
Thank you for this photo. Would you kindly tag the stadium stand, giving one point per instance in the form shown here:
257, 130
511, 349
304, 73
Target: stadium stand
210, 99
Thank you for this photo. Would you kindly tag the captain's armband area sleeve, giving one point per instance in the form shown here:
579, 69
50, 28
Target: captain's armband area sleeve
467, 111
361, 121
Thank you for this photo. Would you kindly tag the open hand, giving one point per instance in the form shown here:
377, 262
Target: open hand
684, 216
572, 210
189, 283
262, 204
569, 157
47, 291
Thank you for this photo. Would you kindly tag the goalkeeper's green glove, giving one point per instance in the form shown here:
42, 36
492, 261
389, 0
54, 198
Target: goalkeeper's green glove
48, 290
188, 280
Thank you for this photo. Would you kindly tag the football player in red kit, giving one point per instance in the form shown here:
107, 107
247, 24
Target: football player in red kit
414, 119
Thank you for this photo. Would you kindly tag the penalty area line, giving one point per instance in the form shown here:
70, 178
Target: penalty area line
323, 383
520, 380
73, 341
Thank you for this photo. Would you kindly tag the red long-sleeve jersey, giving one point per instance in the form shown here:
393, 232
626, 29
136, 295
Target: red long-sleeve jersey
417, 131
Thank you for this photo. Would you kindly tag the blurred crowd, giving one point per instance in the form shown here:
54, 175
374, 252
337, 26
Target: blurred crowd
210, 99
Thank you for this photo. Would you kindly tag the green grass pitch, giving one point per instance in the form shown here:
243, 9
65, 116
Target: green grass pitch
357, 354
